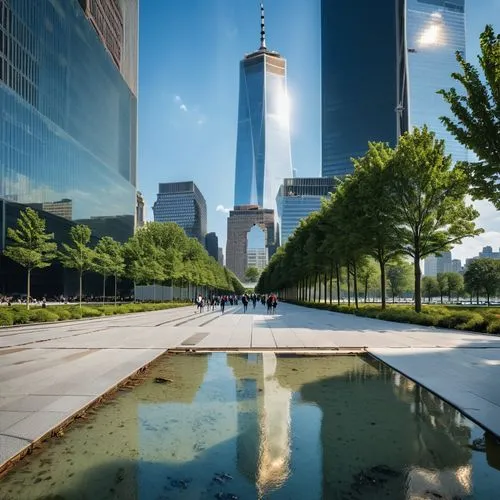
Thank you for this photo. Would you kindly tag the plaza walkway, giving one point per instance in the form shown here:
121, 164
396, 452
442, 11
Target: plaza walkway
50, 372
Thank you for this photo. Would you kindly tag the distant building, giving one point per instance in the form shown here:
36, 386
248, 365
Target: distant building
139, 210
488, 253
220, 258
297, 198
456, 266
212, 245
62, 208
437, 264
257, 257
182, 203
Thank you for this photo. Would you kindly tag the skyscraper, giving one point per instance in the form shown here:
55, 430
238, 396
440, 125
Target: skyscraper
435, 31
182, 203
212, 245
68, 122
263, 155
358, 80
438, 264
299, 197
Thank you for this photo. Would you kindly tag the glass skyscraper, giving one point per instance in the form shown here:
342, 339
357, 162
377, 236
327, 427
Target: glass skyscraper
182, 203
299, 197
358, 79
263, 154
435, 31
68, 109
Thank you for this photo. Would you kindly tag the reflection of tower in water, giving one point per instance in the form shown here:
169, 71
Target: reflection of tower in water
263, 444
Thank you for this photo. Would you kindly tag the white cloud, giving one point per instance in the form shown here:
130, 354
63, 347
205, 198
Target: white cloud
201, 120
223, 209
177, 98
183, 107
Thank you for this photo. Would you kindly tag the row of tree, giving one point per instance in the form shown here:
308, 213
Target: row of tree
157, 253
402, 202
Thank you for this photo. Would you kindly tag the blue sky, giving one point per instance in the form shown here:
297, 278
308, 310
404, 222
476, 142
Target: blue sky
188, 92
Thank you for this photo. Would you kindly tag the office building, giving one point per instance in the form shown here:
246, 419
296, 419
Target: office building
358, 80
456, 266
182, 203
437, 264
68, 115
257, 257
212, 245
239, 223
139, 210
297, 198
263, 154
435, 31
488, 253
220, 258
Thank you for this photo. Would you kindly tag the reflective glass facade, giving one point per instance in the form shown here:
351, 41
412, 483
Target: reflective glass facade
358, 79
299, 197
68, 120
182, 203
435, 32
263, 155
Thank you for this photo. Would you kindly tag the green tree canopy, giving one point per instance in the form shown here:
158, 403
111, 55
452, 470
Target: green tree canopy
483, 275
476, 122
30, 245
399, 277
252, 274
430, 287
79, 255
109, 261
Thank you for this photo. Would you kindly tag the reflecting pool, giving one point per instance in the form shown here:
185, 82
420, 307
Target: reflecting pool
243, 426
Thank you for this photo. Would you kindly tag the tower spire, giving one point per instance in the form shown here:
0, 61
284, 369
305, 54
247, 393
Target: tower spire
262, 27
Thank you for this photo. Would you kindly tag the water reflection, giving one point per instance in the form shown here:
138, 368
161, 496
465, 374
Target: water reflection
267, 426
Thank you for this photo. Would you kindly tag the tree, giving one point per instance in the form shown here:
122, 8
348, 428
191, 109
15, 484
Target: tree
32, 247
483, 275
477, 116
429, 287
108, 261
455, 284
79, 256
252, 274
368, 275
442, 284
399, 277
428, 200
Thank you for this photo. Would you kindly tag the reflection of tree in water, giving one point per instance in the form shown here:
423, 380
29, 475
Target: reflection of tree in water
373, 433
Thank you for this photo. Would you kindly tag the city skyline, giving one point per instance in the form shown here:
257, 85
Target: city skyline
189, 124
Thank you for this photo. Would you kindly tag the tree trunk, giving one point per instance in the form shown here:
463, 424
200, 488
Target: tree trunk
477, 297
441, 297
338, 284
348, 286
28, 289
81, 280
331, 281
116, 286
325, 279
309, 289
315, 282
382, 282
487, 298
418, 278
366, 288
355, 278
103, 288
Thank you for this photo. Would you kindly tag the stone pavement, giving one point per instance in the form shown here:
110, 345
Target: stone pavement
50, 372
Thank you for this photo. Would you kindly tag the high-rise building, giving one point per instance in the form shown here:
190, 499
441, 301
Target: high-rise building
435, 31
488, 253
212, 245
257, 257
437, 264
182, 203
263, 154
297, 198
220, 258
456, 266
358, 80
68, 117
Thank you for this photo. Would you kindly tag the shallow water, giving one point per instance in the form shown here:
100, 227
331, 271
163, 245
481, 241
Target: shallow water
266, 426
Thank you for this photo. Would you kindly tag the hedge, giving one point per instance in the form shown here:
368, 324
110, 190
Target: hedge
19, 315
480, 319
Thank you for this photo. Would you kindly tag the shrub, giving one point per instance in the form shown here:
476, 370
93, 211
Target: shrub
90, 312
21, 316
63, 314
494, 326
42, 316
6, 317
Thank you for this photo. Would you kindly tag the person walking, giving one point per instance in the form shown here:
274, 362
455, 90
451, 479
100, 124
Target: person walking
274, 303
269, 303
254, 300
222, 303
244, 299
